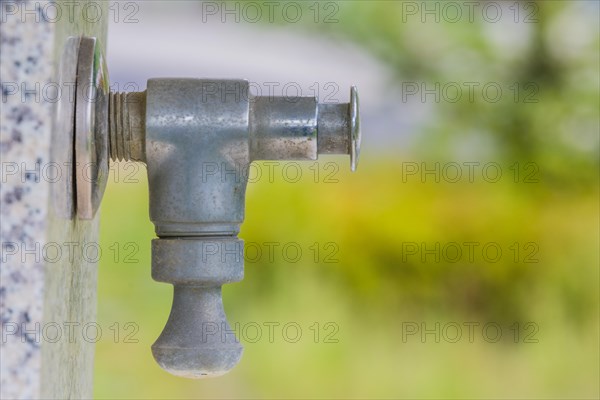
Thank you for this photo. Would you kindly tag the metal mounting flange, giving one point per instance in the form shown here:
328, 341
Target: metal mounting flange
91, 128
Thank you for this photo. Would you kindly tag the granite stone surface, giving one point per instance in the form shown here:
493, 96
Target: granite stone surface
25, 129
39, 291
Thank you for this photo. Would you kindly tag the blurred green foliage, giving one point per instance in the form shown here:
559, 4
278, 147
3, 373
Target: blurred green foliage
375, 285
546, 68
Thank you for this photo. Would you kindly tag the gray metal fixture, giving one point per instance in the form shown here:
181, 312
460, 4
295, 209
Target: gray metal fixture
197, 138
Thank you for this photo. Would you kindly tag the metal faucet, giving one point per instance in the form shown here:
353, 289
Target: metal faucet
198, 138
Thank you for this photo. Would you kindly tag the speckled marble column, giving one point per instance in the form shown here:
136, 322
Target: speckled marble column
40, 293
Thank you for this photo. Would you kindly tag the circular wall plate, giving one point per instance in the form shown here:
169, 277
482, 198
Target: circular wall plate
91, 128
61, 144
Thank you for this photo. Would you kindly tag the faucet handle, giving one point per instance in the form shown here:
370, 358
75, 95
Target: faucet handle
197, 341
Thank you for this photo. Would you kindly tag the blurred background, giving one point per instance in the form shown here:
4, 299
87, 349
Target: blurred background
459, 261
